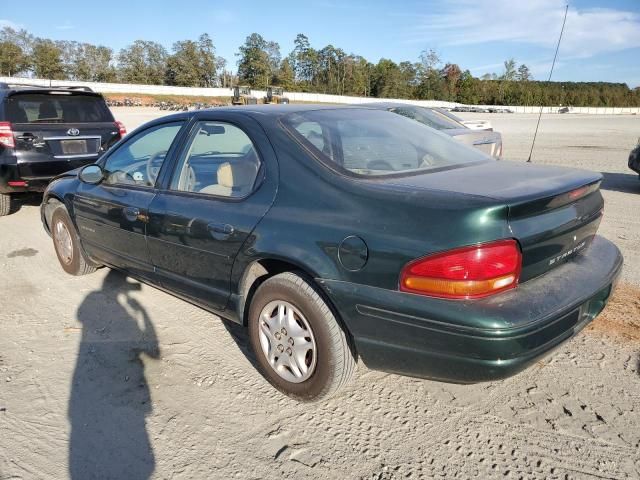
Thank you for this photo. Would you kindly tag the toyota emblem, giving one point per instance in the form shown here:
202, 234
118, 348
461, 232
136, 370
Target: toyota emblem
74, 132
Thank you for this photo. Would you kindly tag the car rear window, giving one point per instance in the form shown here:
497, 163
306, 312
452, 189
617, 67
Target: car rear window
366, 142
430, 118
56, 108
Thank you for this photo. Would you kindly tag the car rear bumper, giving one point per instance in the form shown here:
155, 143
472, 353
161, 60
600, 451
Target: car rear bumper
34, 177
477, 340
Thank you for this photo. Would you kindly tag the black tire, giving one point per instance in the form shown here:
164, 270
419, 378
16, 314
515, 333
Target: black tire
78, 264
334, 363
6, 204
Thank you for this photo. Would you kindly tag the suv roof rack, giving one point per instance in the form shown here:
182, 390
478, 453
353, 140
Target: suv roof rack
78, 88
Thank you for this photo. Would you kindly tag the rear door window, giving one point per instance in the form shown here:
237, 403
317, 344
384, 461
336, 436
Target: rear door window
56, 108
221, 160
430, 118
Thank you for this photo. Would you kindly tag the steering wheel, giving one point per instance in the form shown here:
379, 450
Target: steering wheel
153, 166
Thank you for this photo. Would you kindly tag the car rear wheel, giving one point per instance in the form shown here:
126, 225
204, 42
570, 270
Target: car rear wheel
299, 345
67, 244
6, 204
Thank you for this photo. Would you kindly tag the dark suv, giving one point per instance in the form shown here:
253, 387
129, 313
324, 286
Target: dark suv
47, 131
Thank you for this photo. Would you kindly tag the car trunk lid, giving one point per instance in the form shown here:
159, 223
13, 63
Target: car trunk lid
553, 212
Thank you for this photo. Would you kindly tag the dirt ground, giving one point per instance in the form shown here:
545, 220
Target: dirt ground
102, 373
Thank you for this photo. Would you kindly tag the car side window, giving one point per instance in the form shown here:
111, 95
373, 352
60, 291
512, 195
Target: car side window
138, 160
220, 160
312, 131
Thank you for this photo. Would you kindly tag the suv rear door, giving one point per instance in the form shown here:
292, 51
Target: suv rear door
56, 131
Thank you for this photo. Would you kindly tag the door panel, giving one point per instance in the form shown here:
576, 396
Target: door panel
111, 222
112, 216
194, 236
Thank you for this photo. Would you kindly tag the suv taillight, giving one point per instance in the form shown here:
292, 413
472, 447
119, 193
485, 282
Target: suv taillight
464, 273
121, 128
6, 135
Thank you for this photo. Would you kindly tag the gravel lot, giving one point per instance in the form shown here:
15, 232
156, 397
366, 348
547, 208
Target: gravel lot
102, 372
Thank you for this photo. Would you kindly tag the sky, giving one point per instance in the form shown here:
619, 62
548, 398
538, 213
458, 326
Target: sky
601, 41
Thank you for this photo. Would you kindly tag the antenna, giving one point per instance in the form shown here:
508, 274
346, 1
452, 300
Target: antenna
553, 64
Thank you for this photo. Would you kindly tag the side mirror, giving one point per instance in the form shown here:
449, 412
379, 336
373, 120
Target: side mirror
92, 174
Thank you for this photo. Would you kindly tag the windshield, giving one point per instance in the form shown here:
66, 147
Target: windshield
62, 108
376, 142
430, 118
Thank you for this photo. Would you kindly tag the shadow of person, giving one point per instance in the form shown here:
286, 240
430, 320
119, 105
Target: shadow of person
109, 393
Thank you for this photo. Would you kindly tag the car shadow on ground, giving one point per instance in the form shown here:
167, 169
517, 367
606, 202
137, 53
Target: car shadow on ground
240, 335
110, 397
22, 199
620, 182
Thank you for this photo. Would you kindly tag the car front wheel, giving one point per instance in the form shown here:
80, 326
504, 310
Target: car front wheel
67, 244
299, 345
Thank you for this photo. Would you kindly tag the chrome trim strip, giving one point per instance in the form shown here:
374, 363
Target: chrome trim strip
78, 155
85, 137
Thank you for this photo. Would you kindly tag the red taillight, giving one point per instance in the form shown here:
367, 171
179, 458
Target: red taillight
6, 135
468, 272
17, 183
121, 128
578, 192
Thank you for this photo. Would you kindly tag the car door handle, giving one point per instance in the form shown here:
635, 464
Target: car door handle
220, 230
27, 137
131, 213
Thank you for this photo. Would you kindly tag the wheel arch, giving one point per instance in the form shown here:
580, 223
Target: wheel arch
49, 204
261, 269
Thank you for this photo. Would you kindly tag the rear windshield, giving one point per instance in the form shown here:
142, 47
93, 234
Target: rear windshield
56, 108
377, 142
430, 118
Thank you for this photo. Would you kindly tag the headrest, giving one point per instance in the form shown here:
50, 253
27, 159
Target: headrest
47, 110
237, 175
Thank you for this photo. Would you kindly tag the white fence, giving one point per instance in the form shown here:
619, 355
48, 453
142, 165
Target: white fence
294, 96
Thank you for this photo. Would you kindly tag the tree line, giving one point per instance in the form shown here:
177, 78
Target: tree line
331, 70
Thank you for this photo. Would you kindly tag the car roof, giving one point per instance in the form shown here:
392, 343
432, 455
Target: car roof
387, 105
8, 89
262, 112
279, 110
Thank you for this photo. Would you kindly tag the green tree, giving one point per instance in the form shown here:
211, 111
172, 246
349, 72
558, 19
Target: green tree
468, 89
304, 59
254, 64
509, 70
21, 38
390, 80
451, 74
142, 62
47, 61
210, 64
285, 76
523, 74
12, 59
183, 67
